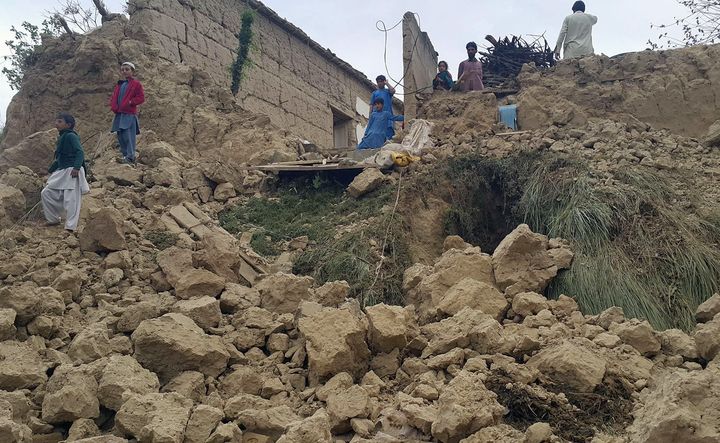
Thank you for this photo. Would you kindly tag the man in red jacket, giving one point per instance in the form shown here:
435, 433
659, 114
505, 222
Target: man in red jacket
127, 96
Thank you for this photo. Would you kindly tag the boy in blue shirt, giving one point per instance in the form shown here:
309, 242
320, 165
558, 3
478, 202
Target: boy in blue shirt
384, 91
376, 132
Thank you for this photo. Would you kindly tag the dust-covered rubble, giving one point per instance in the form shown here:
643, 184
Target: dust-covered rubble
152, 324
108, 336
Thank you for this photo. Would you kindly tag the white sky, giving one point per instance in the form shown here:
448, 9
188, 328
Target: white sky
347, 27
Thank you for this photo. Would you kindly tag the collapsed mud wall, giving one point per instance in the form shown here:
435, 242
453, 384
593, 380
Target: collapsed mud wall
677, 90
299, 85
184, 106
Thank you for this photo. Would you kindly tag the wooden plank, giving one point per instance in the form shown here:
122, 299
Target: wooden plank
507, 134
201, 231
305, 162
315, 168
184, 217
197, 212
500, 91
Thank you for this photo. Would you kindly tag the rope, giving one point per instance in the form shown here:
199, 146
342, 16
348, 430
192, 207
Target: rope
380, 26
97, 146
20, 221
379, 266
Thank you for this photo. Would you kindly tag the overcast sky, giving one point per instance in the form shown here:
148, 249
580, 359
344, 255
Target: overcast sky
348, 27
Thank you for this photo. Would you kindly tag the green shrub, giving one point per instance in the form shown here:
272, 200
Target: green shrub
24, 48
161, 239
242, 60
342, 232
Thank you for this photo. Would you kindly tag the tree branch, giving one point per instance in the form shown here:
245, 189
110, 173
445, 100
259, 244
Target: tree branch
61, 20
100, 5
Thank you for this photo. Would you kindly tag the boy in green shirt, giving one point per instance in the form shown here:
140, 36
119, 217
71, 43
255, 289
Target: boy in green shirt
63, 192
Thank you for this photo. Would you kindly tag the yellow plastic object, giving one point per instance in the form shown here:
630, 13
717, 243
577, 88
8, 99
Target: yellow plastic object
402, 159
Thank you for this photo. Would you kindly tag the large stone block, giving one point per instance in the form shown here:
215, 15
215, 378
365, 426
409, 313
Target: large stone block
155, 417
204, 311
12, 205
708, 309
707, 339
474, 294
368, 181
71, 394
464, 407
679, 407
390, 327
104, 231
570, 364
282, 293
522, 260
123, 375
173, 343
21, 367
637, 334
29, 301
335, 343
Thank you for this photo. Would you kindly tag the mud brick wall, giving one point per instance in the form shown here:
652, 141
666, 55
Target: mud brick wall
299, 85
420, 63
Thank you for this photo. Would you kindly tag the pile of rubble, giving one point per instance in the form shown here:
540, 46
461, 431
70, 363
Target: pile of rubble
466, 124
153, 324
107, 338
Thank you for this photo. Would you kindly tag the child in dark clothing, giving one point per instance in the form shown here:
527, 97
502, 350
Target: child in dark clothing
66, 184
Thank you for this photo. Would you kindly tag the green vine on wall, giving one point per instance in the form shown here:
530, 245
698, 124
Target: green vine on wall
245, 41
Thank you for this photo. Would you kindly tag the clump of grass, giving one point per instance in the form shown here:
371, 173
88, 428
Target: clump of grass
345, 234
302, 207
635, 246
161, 239
263, 244
608, 409
352, 257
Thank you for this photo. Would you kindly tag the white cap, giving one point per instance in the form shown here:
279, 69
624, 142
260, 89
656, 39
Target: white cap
129, 64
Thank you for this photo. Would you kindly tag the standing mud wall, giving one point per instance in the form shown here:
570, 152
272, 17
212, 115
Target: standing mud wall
419, 63
302, 87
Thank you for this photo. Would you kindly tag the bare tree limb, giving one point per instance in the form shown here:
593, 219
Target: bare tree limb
78, 18
701, 26
102, 9
62, 22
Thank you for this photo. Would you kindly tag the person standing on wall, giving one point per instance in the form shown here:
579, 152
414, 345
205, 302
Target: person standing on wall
470, 72
127, 96
576, 34
385, 92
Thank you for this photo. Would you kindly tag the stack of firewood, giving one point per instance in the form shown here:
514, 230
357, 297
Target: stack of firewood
505, 58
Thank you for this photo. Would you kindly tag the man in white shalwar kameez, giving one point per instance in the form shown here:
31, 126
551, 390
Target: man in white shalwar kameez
62, 195
576, 34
